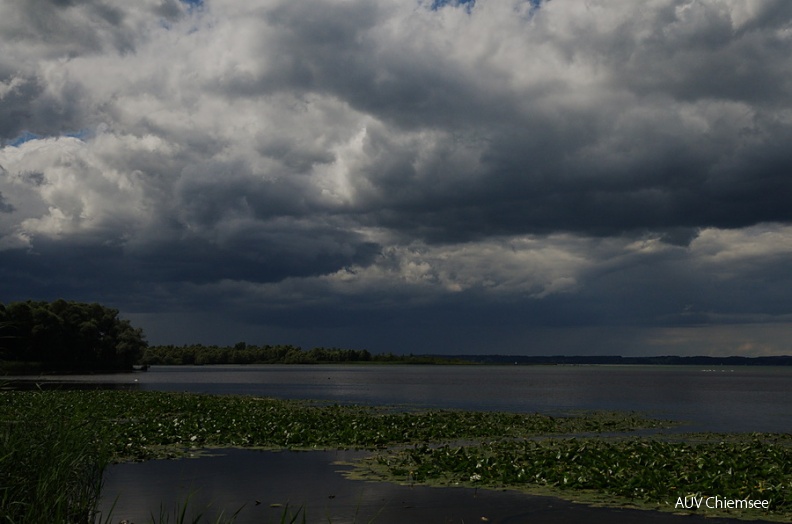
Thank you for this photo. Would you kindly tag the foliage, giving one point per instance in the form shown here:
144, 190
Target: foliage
243, 353
68, 336
143, 424
643, 470
559, 454
51, 464
80, 430
180, 515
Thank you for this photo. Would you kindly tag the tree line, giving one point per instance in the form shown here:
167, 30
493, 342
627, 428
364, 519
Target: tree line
67, 336
243, 353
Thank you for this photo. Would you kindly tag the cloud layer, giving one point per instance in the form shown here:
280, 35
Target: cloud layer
391, 172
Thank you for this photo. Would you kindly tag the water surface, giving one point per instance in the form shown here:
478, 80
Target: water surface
741, 399
723, 399
313, 482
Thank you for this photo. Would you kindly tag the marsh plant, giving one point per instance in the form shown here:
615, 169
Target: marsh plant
51, 464
182, 514
55, 445
142, 425
648, 472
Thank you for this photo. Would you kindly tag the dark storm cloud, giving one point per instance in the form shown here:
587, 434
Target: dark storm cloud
651, 171
712, 58
15, 104
137, 277
5, 207
680, 130
372, 167
255, 254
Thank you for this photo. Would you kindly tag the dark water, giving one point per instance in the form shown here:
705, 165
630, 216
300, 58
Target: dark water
722, 399
312, 482
741, 399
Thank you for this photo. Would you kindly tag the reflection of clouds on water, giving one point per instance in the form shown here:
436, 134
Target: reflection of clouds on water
748, 399
237, 478
229, 480
311, 481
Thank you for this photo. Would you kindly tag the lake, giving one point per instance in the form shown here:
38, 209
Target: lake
723, 399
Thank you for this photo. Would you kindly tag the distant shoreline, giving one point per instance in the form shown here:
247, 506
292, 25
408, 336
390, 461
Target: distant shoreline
243, 353
667, 360
21, 369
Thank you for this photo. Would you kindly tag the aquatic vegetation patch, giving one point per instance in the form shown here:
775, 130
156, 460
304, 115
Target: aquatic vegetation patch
531, 452
143, 425
647, 472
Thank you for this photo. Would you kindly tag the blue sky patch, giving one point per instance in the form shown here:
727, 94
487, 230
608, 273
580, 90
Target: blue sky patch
82, 134
468, 4
438, 4
25, 136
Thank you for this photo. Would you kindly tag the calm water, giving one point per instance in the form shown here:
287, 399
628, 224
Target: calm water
313, 481
740, 399
722, 399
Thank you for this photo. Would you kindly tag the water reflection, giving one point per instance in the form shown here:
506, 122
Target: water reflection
743, 399
727, 399
262, 483
55, 384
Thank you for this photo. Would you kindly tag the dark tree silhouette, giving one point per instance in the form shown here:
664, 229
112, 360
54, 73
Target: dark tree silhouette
68, 336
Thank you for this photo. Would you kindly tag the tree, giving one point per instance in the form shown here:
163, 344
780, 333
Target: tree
70, 336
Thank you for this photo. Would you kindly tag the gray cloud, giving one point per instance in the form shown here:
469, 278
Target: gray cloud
5, 207
66, 28
368, 168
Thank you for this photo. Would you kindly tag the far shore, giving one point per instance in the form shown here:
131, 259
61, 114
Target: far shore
192, 356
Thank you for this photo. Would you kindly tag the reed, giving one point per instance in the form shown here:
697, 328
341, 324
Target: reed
54, 446
51, 465
181, 515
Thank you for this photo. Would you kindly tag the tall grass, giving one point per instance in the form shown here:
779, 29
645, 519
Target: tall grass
54, 446
180, 515
51, 465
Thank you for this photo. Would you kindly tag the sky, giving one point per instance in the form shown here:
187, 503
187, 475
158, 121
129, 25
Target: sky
414, 176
